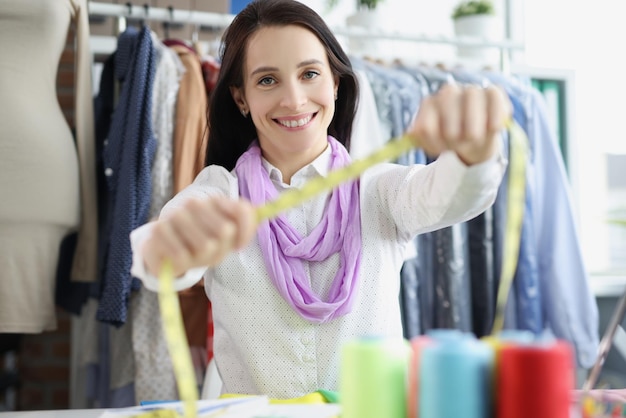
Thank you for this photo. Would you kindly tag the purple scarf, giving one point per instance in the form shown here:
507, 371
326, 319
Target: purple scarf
284, 248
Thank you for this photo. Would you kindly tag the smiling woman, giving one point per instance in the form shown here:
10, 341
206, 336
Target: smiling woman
291, 101
331, 64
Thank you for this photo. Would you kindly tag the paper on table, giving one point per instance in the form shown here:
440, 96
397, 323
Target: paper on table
247, 407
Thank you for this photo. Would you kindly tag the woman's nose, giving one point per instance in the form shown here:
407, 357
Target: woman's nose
294, 96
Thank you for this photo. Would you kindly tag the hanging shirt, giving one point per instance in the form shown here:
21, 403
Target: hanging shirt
262, 346
127, 157
569, 306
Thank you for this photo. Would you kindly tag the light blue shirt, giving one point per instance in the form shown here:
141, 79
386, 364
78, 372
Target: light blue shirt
569, 306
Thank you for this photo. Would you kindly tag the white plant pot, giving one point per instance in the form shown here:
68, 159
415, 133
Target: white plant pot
478, 27
365, 19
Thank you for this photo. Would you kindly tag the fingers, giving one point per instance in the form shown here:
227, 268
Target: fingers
463, 119
164, 244
427, 128
243, 214
499, 109
200, 234
475, 115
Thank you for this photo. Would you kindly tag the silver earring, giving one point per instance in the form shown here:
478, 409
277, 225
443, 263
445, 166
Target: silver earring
335, 95
244, 113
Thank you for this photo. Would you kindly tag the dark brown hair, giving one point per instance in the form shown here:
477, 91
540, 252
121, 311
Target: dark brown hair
230, 133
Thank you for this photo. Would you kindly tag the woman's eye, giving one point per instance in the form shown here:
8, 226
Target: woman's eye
311, 74
266, 81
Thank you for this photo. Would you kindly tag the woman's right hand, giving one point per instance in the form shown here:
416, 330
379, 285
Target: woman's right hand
199, 234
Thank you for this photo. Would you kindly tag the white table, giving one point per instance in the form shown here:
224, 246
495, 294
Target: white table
283, 411
74, 413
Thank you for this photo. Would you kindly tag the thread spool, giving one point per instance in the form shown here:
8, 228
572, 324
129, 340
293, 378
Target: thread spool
455, 378
517, 336
417, 345
507, 337
535, 380
444, 334
373, 378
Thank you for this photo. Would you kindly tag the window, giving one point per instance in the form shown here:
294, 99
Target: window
589, 41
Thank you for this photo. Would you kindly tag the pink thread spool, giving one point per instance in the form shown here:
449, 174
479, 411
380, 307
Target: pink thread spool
417, 345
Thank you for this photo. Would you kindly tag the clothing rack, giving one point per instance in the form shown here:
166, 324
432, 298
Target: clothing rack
222, 20
149, 13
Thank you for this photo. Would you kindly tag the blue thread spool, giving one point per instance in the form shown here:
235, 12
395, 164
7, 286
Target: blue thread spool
443, 334
455, 378
516, 336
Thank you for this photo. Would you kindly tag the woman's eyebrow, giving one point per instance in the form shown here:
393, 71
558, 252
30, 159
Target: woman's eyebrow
270, 69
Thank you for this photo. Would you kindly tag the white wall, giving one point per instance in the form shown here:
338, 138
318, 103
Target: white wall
588, 38
408, 16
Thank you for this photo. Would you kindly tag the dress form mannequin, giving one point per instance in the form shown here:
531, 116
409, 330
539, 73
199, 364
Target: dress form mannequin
47, 178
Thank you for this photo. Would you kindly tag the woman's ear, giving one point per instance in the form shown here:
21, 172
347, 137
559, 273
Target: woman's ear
336, 86
239, 98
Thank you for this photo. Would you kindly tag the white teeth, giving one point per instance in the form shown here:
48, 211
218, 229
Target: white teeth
295, 123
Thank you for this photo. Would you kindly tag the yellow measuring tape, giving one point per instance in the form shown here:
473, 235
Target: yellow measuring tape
518, 155
168, 300
294, 197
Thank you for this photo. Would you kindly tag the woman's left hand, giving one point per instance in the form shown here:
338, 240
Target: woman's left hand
465, 119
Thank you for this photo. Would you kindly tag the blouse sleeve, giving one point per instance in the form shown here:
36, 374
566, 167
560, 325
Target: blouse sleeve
424, 198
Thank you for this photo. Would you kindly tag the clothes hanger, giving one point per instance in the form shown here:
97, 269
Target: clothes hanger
195, 40
168, 23
146, 19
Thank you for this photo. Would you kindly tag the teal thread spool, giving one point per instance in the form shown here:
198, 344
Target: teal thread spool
373, 378
455, 378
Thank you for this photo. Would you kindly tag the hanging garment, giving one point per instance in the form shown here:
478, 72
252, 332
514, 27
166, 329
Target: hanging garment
128, 156
190, 142
154, 375
367, 134
570, 308
568, 304
190, 132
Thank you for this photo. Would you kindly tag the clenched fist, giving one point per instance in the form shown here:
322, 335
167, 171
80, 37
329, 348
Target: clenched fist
466, 120
199, 234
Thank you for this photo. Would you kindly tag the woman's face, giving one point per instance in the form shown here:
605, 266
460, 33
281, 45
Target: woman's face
289, 90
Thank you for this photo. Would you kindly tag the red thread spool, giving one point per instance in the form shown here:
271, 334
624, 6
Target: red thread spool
535, 381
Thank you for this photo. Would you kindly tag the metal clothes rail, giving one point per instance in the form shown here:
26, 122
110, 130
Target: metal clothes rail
222, 20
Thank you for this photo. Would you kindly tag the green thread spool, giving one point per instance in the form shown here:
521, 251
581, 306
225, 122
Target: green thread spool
373, 378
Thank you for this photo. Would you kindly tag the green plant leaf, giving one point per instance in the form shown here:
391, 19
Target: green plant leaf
370, 4
474, 7
621, 222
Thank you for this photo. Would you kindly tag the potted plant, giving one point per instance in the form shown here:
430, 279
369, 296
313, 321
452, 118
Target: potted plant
476, 19
367, 4
473, 8
367, 16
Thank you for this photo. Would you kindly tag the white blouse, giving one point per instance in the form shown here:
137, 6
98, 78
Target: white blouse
261, 345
